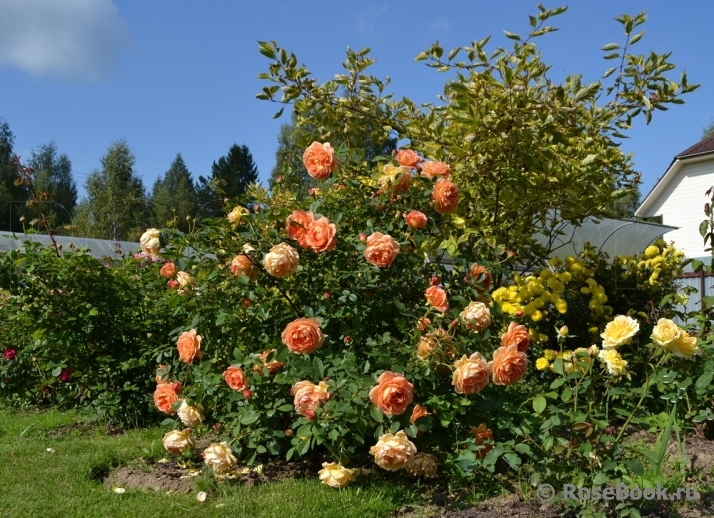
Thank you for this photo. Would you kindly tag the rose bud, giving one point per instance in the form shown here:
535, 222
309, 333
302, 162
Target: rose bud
362, 237
326, 295
310, 414
217, 426
173, 284
348, 339
434, 280
289, 432
247, 393
454, 323
520, 313
247, 302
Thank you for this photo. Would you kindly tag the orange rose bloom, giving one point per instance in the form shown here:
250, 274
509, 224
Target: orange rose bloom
235, 378
436, 343
445, 196
470, 374
416, 219
476, 272
418, 412
303, 335
508, 365
516, 334
272, 366
407, 158
482, 435
168, 270
297, 225
381, 249
309, 396
320, 160
189, 346
281, 261
242, 265
320, 235
423, 323
436, 296
165, 396
433, 170
393, 394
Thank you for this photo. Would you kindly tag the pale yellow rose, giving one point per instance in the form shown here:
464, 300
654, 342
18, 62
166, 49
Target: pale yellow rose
393, 452
150, 242
684, 347
236, 214
336, 475
665, 332
186, 281
281, 261
176, 441
424, 465
219, 457
619, 332
190, 415
616, 366
476, 316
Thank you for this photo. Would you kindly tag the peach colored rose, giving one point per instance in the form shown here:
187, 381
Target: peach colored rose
395, 180
516, 334
320, 160
437, 344
164, 397
381, 249
190, 415
297, 224
436, 296
392, 394
219, 457
445, 195
336, 475
508, 365
176, 441
242, 265
470, 374
424, 465
320, 235
476, 316
303, 335
433, 170
418, 412
407, 158
309, 396
484, 437
189, 346
150, 242
168, 270
393, 451
235, 378
281, 261
185, 281
416, 219
273, 366
475, 274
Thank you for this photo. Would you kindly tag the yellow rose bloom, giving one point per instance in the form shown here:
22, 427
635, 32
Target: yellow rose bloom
550, 354
619, 332
615, 364
665, 332
542, 364
684, 347
651, 251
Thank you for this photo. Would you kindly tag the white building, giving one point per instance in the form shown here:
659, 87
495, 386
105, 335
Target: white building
678, 198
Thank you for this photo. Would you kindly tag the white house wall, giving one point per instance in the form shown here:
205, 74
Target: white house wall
681, 204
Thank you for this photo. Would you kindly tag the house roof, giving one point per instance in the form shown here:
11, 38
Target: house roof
703, 146
702, 150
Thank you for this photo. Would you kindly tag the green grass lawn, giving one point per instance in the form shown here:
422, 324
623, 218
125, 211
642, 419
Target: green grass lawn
67, 483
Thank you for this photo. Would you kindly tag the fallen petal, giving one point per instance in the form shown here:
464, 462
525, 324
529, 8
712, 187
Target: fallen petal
118, 490
201, 497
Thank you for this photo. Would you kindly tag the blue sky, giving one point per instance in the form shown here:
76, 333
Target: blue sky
180, 75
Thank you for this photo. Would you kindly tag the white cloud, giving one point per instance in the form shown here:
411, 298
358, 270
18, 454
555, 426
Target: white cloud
76, 39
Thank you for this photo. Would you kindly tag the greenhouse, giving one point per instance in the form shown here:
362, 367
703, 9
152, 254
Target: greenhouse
99, 248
